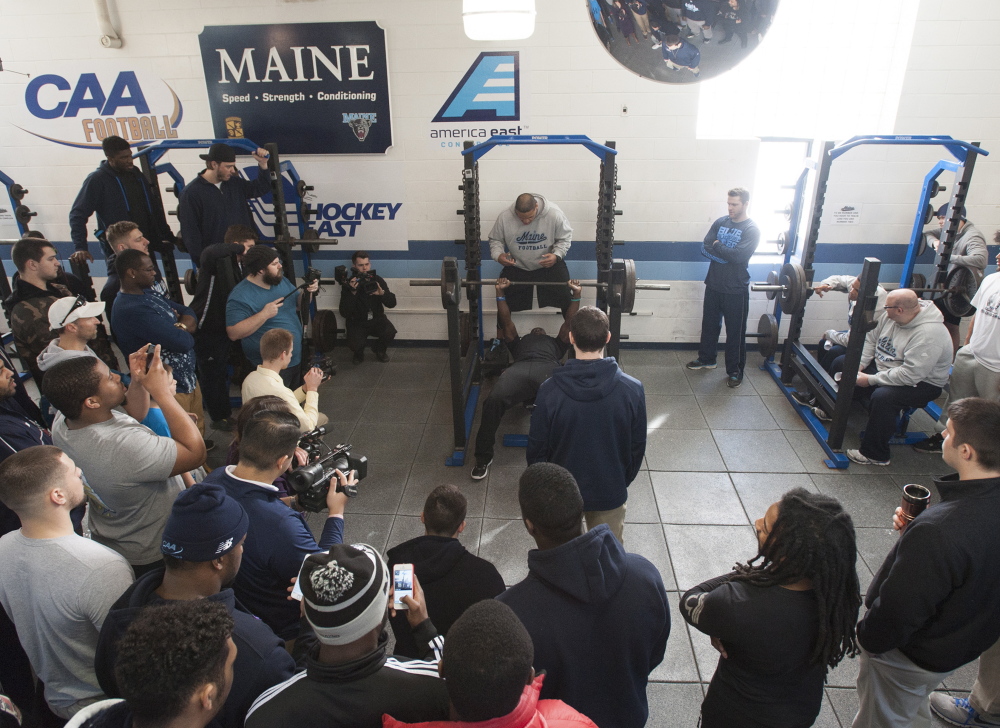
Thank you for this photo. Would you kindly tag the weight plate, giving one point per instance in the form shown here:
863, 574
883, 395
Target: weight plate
451, 292
935, 188
324, 330
23, 214
918, 280
17, 191
782, 242
190, 281
767, 335
922, 245
628, 294
928, 214
310, 234
788, 212
772, 280
793, 297
961, 285
300, 188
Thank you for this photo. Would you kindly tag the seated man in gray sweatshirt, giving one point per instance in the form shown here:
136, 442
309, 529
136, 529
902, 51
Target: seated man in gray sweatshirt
530, 239
905, 364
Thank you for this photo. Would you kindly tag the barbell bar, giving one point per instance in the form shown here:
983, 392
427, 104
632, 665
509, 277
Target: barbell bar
492, 282
789, 286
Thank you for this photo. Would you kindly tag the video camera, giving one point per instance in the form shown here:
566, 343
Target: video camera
367, 283
311, 482
312, 274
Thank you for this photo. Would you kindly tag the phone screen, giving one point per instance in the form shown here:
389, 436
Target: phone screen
402, 583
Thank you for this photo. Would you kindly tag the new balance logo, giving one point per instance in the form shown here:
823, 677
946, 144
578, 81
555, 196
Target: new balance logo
489, 91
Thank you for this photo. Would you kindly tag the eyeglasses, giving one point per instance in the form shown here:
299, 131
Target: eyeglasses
80, 302
889, 308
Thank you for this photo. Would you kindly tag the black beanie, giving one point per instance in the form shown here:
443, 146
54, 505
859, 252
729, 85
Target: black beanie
204, 524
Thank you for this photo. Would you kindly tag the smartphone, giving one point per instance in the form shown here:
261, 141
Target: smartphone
402, 584
297, 588
150, 351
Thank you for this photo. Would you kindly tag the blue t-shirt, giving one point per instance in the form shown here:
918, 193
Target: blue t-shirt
155, 421
247, 299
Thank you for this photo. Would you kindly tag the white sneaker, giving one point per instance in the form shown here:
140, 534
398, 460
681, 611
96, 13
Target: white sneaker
657, 45
855, 456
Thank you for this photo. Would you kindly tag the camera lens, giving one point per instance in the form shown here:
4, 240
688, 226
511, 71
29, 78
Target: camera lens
301, 479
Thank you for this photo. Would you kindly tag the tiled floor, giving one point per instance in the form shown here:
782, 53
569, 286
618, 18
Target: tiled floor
716, 458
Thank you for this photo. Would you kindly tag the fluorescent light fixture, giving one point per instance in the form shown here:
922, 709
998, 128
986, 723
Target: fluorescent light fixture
498, 19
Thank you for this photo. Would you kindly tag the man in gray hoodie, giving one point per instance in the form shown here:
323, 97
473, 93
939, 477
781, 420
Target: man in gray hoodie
905, 363
530, 239
75, 322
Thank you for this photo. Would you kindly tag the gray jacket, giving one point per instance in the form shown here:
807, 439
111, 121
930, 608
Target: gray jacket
53, 354
907, 354
969, 250
549, 232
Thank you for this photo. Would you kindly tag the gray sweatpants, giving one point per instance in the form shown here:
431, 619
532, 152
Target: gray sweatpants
893, 692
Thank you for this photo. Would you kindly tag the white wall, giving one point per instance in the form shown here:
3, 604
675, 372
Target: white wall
673, 185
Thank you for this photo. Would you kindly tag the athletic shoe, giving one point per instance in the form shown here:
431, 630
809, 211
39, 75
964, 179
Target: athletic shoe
480, 471
382, 356
226, 425
657, 45
699, 364
806, 399
821, 414
855, 456
724, 40
956, 711
209, 445
734, 381
706, 41
931, 444
359, 356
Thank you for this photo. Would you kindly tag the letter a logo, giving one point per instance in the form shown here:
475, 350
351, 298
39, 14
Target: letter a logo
489, 91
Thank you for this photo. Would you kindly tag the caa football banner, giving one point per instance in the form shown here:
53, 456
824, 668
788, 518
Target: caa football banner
312, 88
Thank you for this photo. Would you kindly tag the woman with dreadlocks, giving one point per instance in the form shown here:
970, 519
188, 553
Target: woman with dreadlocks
783, 618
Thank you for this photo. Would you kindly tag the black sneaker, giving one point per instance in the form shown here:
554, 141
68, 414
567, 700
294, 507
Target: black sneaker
931, 444
382, 356
735, 380
359, 356
480, 471
226, 425
209, 445
699, 364
804, 398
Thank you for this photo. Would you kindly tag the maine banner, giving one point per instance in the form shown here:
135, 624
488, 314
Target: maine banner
313, 88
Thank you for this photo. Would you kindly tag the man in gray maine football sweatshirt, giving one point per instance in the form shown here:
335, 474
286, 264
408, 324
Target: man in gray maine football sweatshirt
530, 239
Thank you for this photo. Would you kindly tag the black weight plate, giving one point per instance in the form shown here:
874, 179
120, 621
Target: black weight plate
451, 291
628, 294
300, 188
793, 297
928, 214
772, 280
310, 234
961, 285
324, 330
190, 281
17, 192
767, 335
782, 242
23, 214
922, 245
935, 188
918, 280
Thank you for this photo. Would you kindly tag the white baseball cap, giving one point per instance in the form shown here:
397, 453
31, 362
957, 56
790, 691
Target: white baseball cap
69, 309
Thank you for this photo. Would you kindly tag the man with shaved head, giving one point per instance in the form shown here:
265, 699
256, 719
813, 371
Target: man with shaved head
905, 364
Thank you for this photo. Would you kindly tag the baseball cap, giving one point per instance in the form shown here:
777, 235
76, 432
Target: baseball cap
69, 309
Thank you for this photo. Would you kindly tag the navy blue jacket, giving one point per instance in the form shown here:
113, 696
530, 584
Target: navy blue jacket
590, 417
207, 211
728, 272
104, 193
687, 55
261, 659
277, 543
599, 620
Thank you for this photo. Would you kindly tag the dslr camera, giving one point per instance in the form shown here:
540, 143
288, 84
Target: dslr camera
312, 274
312, 482
367, 283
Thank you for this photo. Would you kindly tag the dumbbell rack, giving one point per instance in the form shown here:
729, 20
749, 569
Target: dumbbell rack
796, 360
465, 328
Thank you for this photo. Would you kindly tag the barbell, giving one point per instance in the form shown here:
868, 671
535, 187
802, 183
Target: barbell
767, 335
451, 284
960, 286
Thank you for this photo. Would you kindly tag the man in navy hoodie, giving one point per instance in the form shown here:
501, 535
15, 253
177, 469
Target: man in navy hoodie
598, 617
217, 198
202, 548
116, 191
590, 417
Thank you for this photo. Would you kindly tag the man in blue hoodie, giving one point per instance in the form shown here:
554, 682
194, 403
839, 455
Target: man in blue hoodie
598, 617
116, 191
590, 417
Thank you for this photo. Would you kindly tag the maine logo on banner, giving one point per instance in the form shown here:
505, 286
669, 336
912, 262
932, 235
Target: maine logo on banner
312, 88
485, 102
81, 103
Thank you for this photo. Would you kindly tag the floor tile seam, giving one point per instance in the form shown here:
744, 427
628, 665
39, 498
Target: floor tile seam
680, 593
829, 702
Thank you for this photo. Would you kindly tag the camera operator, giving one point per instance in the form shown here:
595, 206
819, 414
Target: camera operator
278, 539
362, 304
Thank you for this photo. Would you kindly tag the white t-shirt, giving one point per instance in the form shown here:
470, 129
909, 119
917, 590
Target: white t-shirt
985, 341
58, 591
128, 468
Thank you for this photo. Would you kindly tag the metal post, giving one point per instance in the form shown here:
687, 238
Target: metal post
166, 251
614, 297
281, 234
605, 237
950, 235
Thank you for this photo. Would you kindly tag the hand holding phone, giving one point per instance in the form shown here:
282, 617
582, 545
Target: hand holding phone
402, 583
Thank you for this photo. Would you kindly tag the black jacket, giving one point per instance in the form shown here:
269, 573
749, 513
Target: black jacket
599, 619
261, 658
115, 197
357, 693
452, 579
354, 306
218, 274
207, 211
936, 597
